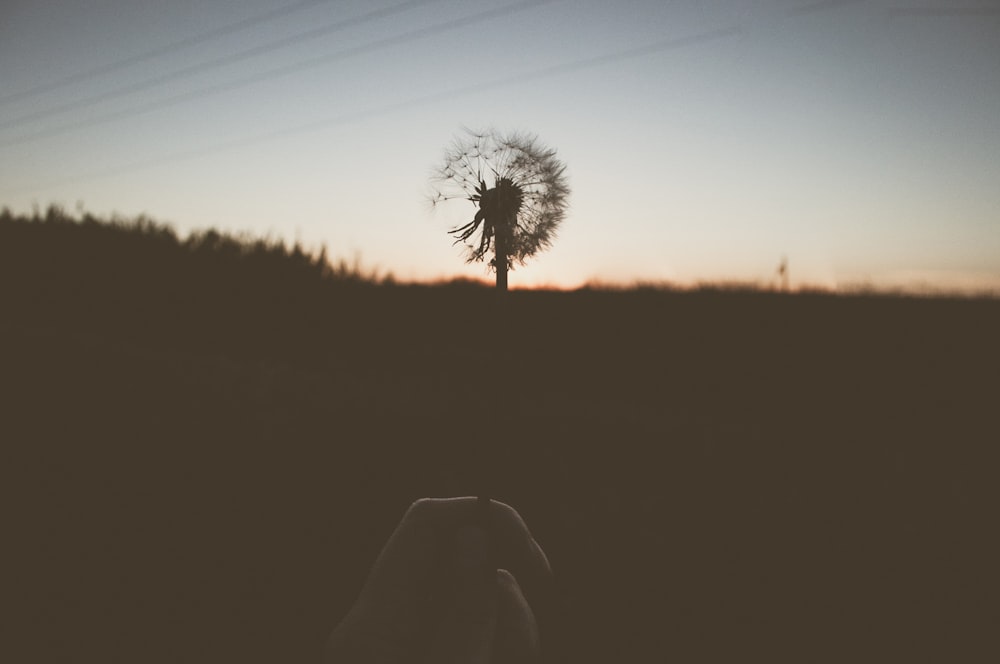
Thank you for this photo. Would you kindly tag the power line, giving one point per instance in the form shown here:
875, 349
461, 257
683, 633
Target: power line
425, 100
311, 63
900, 12
291, 40
821, 5
942, 12
163, 50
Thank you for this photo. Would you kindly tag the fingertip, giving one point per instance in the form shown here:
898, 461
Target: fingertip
509, 588
510, 520
517, 637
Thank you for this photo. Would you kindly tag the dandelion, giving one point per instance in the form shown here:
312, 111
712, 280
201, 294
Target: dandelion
520, 189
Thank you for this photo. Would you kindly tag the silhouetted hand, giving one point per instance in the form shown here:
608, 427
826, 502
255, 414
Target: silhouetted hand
441, 591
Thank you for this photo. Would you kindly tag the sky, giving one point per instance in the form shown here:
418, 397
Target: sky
704, 141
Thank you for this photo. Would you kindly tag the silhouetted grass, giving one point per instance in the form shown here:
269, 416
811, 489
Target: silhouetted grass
206, 442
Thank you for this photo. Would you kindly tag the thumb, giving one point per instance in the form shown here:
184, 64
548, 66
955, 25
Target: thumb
465, 633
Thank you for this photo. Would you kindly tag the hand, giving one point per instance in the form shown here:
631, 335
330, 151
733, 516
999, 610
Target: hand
441, 591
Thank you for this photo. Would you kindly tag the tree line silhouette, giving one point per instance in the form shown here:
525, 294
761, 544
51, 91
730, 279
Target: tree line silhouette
138, 276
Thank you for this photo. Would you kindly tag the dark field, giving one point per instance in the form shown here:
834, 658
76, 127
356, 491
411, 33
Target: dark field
202, 456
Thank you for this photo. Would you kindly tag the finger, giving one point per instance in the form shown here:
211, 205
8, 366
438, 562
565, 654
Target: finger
530, 567
516, 639
465, 632
398, 583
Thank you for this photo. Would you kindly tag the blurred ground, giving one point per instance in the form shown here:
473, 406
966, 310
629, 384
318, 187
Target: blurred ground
205, 471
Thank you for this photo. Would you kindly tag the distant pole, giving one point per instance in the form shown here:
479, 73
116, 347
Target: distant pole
783, 274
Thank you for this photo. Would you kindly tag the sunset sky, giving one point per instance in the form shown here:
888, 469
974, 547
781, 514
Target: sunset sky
704, 140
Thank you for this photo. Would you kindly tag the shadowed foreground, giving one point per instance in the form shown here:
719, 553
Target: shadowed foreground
201, 461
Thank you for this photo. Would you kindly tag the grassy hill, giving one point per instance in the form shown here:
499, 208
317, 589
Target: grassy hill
207, 440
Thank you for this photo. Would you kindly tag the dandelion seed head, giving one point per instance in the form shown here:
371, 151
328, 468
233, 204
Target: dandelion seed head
505, 175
